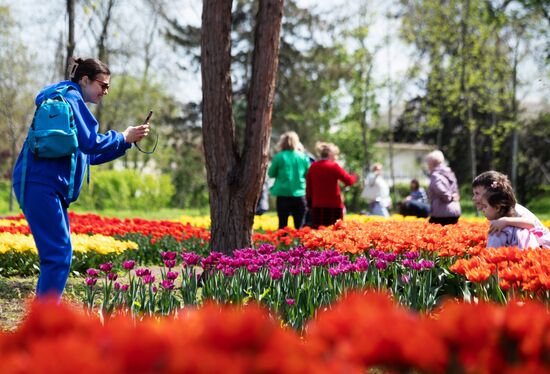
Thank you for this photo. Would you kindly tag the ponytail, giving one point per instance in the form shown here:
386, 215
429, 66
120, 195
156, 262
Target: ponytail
89, 67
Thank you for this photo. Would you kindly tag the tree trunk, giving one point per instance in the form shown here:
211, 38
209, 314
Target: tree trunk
235, 178
13, 136
103, 54
70, 41
464, 89
515, 135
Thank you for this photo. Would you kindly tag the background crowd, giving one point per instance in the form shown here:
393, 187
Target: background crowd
309, 190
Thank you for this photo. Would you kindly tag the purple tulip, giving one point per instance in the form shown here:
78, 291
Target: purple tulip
413, 255
275, 273
406, 278
117, 286
333, 271
143, 272
92, 272
169, 255
228, 271
276, 262
128, 264
253, 268
90, 282
190, 258
294, 271
290, 301
169, 263
107, 267
266, 248
381, 264
148, 279
362, 264
212, 259
294, 260
167, 284
390, 257
426, 264
172, 275
375, 253
112, 276
125, 287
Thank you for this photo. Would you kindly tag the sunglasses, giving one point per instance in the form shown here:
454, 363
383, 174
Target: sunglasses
104, 86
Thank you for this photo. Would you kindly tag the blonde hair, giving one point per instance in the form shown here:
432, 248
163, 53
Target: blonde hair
289, 141
324, 150
436, 157
376, 166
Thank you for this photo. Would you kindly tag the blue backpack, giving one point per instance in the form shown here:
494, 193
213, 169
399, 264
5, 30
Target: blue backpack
52, 134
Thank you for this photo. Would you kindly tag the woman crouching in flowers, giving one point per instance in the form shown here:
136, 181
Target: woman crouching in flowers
497, 202
494, 181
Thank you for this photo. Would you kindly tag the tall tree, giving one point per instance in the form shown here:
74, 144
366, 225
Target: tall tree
466, 109
235, 176
71, 45
310, 68
16, 93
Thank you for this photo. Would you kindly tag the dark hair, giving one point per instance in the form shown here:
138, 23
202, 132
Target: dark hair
415, 182
491, 179
503, 200
90, 67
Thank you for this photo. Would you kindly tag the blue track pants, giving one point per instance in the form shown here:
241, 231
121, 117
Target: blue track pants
46, 213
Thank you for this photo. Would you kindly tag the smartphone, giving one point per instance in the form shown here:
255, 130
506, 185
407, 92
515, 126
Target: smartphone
148, 116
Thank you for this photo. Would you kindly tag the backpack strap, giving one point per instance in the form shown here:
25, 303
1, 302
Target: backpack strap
62, 93
23, 176
71, 178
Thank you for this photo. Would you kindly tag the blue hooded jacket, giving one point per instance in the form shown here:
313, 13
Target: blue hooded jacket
99, 148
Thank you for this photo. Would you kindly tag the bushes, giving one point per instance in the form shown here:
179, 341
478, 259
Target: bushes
126, 189
541, 204
4, 194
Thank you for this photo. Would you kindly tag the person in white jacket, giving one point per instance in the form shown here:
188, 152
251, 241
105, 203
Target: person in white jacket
377, 192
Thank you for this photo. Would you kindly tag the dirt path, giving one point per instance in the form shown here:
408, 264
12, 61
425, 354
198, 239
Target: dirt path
16, 293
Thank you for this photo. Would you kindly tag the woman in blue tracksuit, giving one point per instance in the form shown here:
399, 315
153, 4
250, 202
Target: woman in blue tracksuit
47, 179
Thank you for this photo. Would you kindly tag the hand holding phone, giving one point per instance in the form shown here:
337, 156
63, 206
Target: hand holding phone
156, 140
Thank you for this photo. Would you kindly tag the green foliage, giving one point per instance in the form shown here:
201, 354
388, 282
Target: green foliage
18, 83
126, 189
4, 194
469, 99
541, 204
534, 163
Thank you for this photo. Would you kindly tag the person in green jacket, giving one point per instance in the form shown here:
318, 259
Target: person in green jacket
289, 168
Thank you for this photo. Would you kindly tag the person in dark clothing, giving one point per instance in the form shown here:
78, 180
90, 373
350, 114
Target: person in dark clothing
416, 203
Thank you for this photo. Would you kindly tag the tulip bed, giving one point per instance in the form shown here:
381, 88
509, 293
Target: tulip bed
276, 308
363, 332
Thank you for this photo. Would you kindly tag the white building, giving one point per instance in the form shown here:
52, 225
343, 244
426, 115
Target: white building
408, 161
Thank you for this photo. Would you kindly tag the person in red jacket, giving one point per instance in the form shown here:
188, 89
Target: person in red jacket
322, 188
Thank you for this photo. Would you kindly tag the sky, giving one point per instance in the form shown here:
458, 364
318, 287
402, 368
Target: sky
41, 30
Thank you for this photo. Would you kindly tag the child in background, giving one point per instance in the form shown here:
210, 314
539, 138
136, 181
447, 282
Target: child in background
493, 194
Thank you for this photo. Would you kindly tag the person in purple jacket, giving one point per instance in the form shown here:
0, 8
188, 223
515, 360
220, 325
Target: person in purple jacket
47, 179
443, 191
